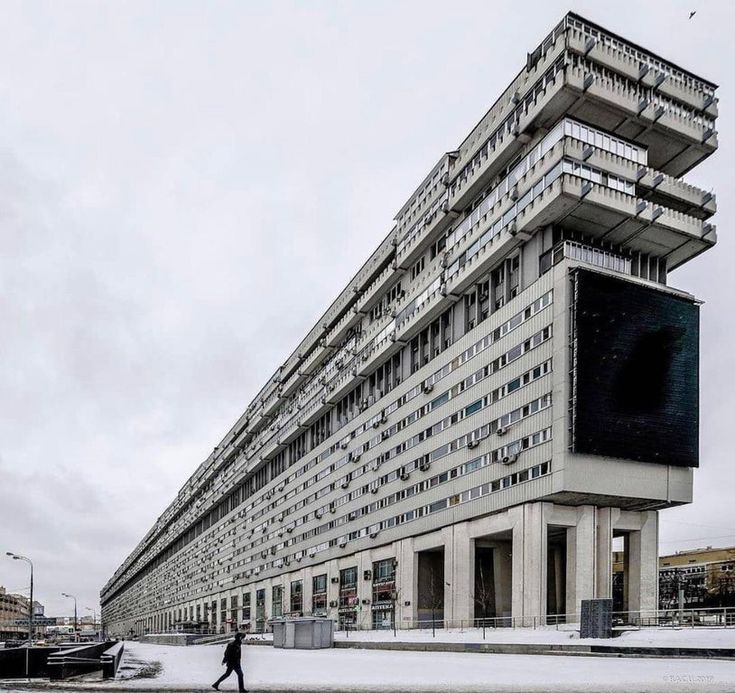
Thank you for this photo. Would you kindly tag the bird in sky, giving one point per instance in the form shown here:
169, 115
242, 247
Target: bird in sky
691, 14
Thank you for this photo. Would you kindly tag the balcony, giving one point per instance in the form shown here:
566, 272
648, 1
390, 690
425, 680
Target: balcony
580, 252
677, 138
638, 65
680, 194
542, 108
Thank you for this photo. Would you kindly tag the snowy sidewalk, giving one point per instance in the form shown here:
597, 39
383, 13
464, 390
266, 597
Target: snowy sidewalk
166, 668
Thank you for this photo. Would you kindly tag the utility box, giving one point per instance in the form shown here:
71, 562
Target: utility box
303, 633
596, 618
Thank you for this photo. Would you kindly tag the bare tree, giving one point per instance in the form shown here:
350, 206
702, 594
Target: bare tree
435, 594
484, 596
394, 595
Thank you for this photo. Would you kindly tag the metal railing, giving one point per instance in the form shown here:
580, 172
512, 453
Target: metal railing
722, 617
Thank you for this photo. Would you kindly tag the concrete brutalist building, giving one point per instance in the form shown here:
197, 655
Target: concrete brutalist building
508, 383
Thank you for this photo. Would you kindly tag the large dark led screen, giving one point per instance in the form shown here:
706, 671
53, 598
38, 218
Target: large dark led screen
636, 372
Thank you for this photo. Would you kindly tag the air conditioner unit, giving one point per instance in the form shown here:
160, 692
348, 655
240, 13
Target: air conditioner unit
374, 534
473, 444
502, 430
298, 559
510, 459
352, 516
367, 575
333, 604
342, 544
344, 444
335, 581
345, 484
273, 550
427, 387
355, 456
376, 423
289, 529
374, 489
317, 514
443, 289
405, 476
280, 533
424, 466
385, 435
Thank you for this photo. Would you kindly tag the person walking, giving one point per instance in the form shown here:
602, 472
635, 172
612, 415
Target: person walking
233, 653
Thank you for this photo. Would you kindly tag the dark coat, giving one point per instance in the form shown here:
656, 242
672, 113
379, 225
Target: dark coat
233, 653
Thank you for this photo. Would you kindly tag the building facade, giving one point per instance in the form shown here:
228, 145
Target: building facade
698, 579
507, 384
14, 615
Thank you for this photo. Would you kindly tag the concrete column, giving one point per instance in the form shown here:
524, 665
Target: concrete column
406, 582
332, 589
307, 589
364, 590
581, 557
529, 563
459, 573
604, 552
641, 553
503, 577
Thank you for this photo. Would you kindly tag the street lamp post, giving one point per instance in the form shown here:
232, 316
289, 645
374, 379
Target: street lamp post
71, 596
16, 557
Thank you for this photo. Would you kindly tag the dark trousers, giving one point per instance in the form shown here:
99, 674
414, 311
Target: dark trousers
230, 668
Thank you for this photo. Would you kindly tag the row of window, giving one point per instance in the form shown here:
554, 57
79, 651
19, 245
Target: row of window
229, 504
423, 463
471, 352
507, 126
494, 366
427, 509
498, 455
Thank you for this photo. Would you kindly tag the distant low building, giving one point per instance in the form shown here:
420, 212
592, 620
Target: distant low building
706, 576
14, 614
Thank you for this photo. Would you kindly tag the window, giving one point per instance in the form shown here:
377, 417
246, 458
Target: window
297, 597
277, 607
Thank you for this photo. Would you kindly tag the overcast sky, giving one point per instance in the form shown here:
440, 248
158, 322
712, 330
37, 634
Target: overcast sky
186, 186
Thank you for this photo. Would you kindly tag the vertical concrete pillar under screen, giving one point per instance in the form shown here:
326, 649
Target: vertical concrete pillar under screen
641, 564
581, 554
529, 563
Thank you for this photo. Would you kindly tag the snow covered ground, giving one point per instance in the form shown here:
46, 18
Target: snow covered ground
147, 667
268, 669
